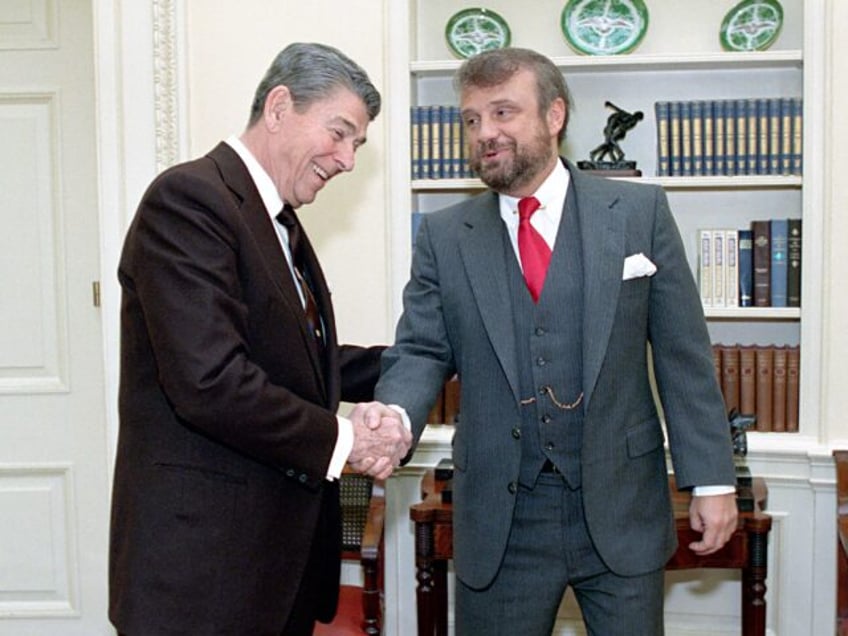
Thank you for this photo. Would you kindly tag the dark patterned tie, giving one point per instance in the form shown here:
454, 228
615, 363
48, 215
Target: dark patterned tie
313, 318
534, 252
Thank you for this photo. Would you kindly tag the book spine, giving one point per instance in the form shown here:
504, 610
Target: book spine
719, 267
741, 156
686, 139
674, 154
753, 130
709, 138
778, 388
793, 276
436, 145
731, 268
426, 157
447, 141
705, 268
762, 263
745, 262
661, 114
415, 141
720, 138
793, 385
730, 148
747, 380
785, 136
763, 136
730, 377
696, 116
797, 136
779, 265
765, 368
774, 120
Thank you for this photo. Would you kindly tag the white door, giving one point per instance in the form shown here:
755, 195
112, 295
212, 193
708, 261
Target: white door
53, 444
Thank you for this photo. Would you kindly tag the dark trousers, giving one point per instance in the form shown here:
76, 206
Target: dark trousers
549, 549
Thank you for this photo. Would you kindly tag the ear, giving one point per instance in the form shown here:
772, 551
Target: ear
277, 104
556, 116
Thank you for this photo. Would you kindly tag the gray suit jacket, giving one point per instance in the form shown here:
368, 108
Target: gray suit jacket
457, 318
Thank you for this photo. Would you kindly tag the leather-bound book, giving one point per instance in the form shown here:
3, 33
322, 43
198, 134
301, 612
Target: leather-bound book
747, 380
765, 368
778, 388
730, 376
793, 378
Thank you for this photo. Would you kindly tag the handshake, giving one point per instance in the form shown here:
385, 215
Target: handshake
380, 439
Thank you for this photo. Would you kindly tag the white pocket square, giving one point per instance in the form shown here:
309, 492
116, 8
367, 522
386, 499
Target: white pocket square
638, 265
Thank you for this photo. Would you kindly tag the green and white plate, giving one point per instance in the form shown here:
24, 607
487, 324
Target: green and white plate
604, 27
752, 25
472, 31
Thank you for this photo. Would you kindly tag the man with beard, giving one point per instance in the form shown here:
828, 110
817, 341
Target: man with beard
560, 476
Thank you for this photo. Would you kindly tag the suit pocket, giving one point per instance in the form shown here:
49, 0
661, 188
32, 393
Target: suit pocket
644, 438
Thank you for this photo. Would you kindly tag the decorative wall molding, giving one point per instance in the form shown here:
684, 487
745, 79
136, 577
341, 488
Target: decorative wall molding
166, 84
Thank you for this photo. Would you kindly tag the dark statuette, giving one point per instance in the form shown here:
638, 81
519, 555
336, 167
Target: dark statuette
608, 158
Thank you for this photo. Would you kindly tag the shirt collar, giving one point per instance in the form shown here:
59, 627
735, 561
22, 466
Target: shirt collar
261, 179
551, 196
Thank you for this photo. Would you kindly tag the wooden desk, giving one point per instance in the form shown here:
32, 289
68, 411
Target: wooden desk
747, 550
841, 459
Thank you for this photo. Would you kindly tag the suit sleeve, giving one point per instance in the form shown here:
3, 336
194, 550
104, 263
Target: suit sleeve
698, 432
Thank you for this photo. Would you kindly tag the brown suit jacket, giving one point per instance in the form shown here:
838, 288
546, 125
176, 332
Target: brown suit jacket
227, 414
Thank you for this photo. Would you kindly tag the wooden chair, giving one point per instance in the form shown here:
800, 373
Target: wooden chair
841, 458
363, 516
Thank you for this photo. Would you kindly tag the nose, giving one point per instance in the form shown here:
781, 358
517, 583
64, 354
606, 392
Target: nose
346, 157
486, 129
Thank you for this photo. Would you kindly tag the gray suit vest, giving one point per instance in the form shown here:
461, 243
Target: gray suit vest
550, 361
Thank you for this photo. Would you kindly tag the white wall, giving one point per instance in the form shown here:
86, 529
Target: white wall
229, 47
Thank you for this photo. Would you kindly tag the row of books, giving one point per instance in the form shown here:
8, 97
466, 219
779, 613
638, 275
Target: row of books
761, 380
437, 143
756, 267
761, 136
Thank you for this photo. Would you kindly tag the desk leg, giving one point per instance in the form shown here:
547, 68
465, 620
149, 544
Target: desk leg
754, 585
424, 595
440, 585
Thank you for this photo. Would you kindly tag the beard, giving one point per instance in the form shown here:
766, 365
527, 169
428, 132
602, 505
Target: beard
511, 173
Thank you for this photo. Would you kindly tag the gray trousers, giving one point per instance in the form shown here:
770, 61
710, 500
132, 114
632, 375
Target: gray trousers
549, 549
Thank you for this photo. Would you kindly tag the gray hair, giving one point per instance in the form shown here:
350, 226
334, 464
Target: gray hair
496, 66
312, 72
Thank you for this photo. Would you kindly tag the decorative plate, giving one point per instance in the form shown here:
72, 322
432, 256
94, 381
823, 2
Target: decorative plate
472, 31
752, 25
604, 27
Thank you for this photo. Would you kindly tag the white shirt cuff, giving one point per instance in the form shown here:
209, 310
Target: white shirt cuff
708, 491
344, 445
403, 416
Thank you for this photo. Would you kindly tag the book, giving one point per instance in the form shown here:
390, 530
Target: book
661, 114
747, 380
686, 139
719, 138
718, 268
753, 144
696, 116
793, 385
761, 250
763, 136
705, 269
731, 268
779, 240
745, 263
740, 156
436, 163
778, 390
797, 152
730, 376
456, 161
774, 123
708, 138
793, 255
765, 368
415, 141
674, 139
424, 142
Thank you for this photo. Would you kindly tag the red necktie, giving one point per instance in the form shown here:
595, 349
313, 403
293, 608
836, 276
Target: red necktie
535, 253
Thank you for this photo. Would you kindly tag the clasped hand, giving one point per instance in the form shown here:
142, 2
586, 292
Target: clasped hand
380, 439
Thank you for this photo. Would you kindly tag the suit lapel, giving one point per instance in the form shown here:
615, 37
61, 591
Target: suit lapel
482, 251
264, 235
602, 234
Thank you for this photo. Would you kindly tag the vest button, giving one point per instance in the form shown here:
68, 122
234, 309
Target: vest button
540, 361
549, 446
516, 433
540, 331
546, 419
512, 488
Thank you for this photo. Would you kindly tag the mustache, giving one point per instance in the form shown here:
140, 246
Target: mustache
493, 145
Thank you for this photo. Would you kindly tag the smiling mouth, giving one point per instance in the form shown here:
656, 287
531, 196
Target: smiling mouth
320, 172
